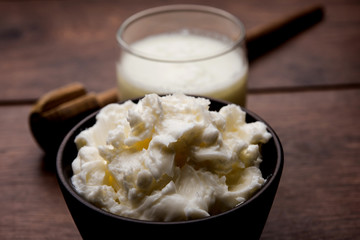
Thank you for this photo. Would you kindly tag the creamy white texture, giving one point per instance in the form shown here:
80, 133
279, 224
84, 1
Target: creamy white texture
217, 75
169, 158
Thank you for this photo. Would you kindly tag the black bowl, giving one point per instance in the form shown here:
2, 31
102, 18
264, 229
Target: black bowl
245, 221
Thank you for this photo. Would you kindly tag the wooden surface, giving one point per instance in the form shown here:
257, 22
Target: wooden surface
308, 89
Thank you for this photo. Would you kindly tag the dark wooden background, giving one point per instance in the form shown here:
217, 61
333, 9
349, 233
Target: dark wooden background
308, 89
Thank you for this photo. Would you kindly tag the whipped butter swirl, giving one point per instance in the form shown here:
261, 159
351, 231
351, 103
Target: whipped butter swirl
169, 158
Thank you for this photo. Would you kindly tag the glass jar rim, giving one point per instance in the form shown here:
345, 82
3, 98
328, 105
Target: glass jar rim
180, 8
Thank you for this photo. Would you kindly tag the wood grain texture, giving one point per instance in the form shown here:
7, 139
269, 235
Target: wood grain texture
47, 44
31, 204
318, 196
307, 89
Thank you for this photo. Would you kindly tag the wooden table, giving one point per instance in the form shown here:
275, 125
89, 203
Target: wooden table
308, 89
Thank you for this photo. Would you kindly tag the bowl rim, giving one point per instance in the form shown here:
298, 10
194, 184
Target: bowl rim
65, 183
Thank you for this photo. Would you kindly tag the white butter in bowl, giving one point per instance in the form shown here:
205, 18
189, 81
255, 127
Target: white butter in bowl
169, 158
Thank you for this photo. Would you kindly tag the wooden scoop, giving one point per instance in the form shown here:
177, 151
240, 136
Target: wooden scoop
56, 112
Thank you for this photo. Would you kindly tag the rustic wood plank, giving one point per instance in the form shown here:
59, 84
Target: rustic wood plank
318, 196
31, 205
47, 44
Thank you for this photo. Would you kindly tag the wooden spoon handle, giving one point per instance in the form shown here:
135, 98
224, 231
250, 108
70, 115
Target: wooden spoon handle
55, 113
264, 38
